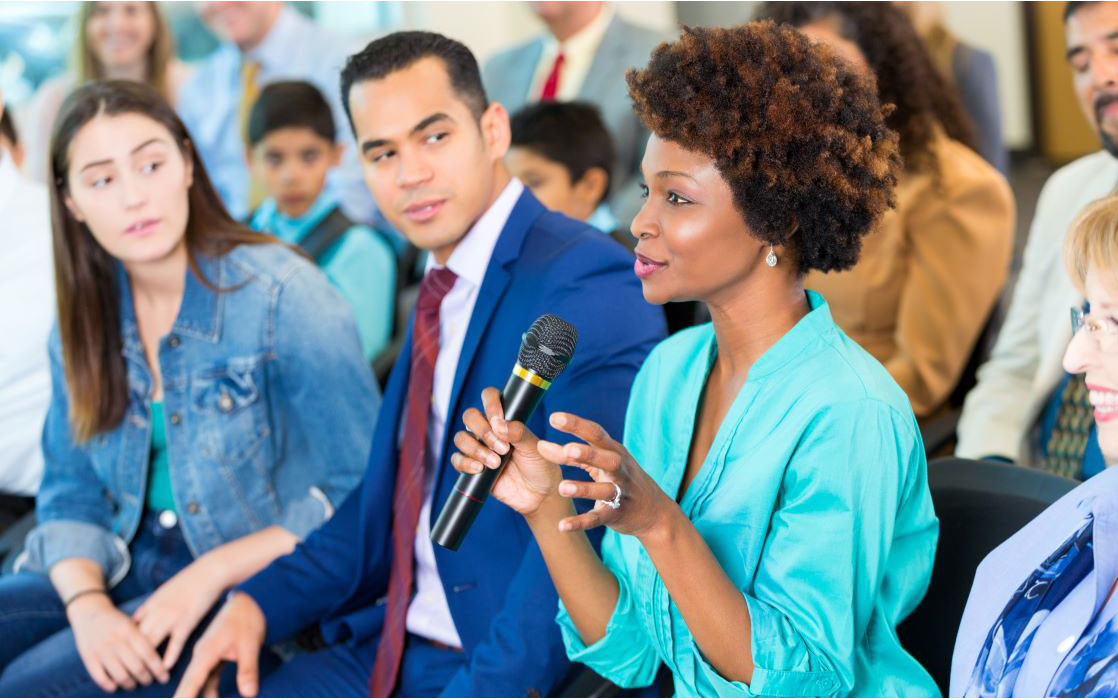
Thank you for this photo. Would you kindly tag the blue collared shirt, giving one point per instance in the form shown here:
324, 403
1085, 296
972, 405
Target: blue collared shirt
295, 49
1008, 566
814, 499
361, 265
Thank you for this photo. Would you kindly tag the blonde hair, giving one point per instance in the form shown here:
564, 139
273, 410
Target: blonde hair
1092, 241
159, 55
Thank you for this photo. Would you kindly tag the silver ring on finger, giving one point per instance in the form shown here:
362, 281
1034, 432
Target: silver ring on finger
614, 502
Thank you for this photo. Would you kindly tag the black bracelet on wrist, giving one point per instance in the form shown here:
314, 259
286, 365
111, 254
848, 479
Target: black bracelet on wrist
81, 594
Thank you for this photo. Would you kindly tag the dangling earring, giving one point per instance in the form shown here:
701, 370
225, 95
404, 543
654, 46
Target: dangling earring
770, 259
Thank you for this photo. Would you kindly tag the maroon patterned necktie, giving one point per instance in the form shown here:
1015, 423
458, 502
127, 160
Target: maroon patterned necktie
408, 496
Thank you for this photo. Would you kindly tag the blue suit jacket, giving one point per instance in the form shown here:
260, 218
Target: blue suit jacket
500, 594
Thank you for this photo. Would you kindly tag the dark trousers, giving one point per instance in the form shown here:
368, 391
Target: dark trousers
343, 671
38, 657
13, 508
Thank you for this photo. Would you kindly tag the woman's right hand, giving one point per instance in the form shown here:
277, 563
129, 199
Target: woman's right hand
112, 648
528, 479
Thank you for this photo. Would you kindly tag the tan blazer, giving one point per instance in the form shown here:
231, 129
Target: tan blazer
929, 275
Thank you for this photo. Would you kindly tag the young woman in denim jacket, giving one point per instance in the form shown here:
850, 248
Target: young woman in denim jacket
210, 407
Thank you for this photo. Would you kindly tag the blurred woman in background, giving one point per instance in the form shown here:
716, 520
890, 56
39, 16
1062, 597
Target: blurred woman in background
931, 273
113, 41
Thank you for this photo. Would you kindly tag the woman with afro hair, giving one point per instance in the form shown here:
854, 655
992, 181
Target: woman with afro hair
932, 271
768, 509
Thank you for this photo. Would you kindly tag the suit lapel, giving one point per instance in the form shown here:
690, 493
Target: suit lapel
525, 71
600, 82
493, 286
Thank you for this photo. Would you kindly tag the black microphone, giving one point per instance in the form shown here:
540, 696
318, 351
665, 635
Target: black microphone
546, 349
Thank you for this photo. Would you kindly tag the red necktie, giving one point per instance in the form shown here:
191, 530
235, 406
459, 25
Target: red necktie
408, 496
551, 85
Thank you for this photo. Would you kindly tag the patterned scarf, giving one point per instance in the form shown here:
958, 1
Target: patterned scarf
1007, 645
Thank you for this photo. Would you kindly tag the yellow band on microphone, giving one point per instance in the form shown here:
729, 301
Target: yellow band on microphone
530, 377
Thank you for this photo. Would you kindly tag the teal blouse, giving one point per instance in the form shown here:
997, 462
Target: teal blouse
159, 495
813, 498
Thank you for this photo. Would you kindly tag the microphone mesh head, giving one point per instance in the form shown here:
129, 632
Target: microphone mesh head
547, 347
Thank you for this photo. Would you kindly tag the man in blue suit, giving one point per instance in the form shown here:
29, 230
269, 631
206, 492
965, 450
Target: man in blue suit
399, 616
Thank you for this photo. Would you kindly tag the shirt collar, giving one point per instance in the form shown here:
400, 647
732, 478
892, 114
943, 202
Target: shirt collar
470, 258
293, 230
273, 49
585, 40
1104, 507
807, 330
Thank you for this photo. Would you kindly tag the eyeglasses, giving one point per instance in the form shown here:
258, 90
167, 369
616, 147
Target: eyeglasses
1104, 330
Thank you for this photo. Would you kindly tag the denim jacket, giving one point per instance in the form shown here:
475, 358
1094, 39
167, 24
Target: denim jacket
270, 410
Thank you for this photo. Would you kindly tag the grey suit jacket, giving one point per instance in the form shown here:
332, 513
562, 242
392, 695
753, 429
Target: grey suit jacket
508, 77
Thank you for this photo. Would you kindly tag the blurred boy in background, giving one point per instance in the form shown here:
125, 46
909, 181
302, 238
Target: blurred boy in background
292, 147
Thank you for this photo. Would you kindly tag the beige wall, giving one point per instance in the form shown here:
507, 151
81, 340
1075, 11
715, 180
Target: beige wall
999, 27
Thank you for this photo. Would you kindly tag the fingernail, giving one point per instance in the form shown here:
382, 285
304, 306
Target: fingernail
574, 451
558, 419
566, 489
498, 444
493, 460
563, 526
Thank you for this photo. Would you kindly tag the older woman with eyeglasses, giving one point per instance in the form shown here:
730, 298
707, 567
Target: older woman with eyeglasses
1042, 619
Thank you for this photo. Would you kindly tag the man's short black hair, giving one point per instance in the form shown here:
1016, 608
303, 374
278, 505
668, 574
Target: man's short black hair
8, 128
400, 50
1074, 6
569, 133
291, 104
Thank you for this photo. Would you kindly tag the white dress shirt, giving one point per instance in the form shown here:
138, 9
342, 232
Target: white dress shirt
429, 613
26, 315
578, 54
1025, 365
296, 48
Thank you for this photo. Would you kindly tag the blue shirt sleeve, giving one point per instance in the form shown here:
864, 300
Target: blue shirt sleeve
74, 519
328, 392
363, 268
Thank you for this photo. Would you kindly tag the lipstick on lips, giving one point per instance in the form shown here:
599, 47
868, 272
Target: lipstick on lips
1105, 402
141, 228
646, 267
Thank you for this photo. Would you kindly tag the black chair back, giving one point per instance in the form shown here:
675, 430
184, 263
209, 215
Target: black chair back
979, 505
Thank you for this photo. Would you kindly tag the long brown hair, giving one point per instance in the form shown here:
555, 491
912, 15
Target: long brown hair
906, 75
87, 67
85, 273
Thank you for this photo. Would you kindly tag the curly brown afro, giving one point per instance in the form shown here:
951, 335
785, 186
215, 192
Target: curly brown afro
801, 140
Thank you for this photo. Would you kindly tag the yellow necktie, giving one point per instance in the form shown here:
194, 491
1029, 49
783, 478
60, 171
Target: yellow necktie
249, 93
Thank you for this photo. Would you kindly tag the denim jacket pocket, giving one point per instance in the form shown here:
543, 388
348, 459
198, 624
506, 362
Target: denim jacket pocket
232, 420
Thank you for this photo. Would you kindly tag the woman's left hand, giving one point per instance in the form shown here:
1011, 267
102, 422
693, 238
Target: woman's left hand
644, 506
174, 610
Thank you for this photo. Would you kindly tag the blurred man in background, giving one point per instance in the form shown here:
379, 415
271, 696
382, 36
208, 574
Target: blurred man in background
26, 314
1025, 408
263, 42
583, 56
